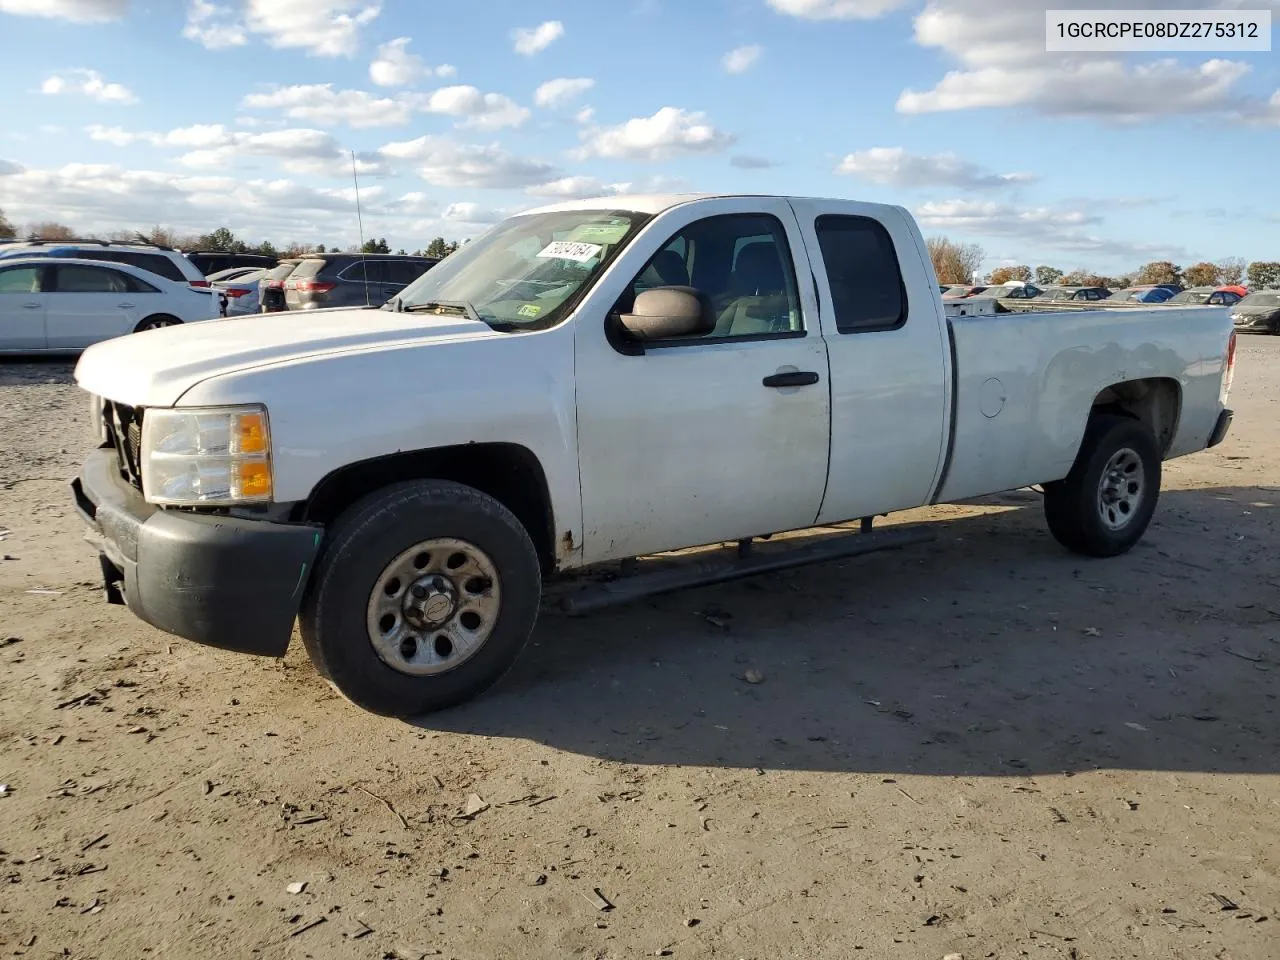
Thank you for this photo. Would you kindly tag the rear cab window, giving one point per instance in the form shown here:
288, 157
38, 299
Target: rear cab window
868, 292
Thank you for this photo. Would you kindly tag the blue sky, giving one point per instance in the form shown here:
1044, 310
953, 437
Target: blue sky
197, 113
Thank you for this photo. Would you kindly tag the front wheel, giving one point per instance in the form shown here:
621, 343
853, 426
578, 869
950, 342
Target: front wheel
423, 597
158, 322
1104, 505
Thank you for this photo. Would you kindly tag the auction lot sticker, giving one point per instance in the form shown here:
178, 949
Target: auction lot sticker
1169, 31
568, 250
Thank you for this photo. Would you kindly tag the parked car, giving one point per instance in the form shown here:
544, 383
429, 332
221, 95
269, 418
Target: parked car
238, 294
162, 261
231, 273
215, 261
1073, 294
1258, 311
62, 305
1146, 293
271, 286
1208, 296
951, 290
351, 279
1013, 291
601, 380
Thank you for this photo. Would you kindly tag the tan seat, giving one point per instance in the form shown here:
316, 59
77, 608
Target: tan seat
757, 300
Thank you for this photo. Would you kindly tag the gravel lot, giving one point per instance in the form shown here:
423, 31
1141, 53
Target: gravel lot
988, 748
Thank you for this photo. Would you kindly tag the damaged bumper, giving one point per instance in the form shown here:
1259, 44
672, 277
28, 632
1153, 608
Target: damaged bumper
223, 581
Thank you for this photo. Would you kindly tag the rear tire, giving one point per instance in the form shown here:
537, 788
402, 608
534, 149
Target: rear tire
157, 322
1105, 504
423, 597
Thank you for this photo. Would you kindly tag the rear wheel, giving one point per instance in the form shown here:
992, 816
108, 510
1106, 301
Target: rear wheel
1104, 505
423, 597
156, 322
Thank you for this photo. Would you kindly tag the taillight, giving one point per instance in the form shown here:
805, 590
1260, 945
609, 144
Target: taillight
199, 283
273, 284
235, 292
313, 286
1231, 367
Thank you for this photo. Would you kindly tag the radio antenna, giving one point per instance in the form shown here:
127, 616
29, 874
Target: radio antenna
364, 261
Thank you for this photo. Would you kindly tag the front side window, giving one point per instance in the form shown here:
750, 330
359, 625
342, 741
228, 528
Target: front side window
741, 263
867, 289
527, 272
20, 280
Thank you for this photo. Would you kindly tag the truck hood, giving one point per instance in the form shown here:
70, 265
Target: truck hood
157, 367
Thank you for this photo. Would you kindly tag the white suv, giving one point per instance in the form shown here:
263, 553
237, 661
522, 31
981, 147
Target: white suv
162, 261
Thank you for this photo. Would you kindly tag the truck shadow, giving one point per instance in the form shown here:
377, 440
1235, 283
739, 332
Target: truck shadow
992, 652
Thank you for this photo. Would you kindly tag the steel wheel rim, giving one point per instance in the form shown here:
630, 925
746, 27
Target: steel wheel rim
433, 607
1121, 488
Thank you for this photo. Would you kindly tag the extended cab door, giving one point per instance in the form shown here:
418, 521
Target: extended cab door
705, 439
22, 308
890, 357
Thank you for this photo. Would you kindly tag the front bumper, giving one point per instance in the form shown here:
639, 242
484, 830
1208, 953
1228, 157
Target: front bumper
222, 581
1220, 428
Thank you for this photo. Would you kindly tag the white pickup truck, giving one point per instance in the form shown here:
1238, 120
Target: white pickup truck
599, 381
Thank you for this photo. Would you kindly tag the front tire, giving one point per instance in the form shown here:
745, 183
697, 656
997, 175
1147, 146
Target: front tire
423, 597
1105, 504
157, 322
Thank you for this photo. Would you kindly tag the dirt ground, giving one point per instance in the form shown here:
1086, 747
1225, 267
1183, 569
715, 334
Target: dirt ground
988, 748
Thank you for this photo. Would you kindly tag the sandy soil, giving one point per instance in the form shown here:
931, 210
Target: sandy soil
988, 748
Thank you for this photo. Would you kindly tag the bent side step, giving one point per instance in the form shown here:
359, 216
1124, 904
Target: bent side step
720, 570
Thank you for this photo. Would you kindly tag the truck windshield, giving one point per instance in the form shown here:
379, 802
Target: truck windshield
527, 272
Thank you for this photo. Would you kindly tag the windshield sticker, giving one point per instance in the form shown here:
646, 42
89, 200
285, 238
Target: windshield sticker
568, 250
609, 232
529, 310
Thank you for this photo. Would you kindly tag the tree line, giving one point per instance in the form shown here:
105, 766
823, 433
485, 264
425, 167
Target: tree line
222, 240
957, 263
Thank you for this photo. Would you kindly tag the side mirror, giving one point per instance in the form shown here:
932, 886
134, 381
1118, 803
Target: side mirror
666, 312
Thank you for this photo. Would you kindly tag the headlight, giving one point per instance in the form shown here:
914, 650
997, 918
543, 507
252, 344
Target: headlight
206, 456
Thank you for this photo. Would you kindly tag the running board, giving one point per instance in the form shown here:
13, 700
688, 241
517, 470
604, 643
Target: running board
700, 573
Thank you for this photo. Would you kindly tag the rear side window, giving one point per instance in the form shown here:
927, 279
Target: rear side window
20, 280
405, 271
151, 262
76, 279
308, 268
867, 288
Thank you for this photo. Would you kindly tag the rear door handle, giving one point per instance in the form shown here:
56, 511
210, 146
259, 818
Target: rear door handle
31, 306
127, 306
800, 378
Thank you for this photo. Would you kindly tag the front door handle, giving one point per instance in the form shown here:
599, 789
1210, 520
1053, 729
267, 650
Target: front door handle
126, 306
800, 378
31, 306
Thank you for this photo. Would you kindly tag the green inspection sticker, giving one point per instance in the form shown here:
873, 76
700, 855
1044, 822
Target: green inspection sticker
529, 310
605, 232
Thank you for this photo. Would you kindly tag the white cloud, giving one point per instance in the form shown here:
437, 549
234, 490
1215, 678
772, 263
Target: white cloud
89, 83
299, 149
582, 188
447, 163
742, 59
77, 11
395, 66
483, 111
532, 40
213, 26
836, 9
585, 115
473, 213
323, 28
1045, 231
8, 168
1000, 50
895, 167
321, 104
668, 133
562, 91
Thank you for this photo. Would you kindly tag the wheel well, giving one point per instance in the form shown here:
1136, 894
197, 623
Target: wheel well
509, 473
1156, 402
